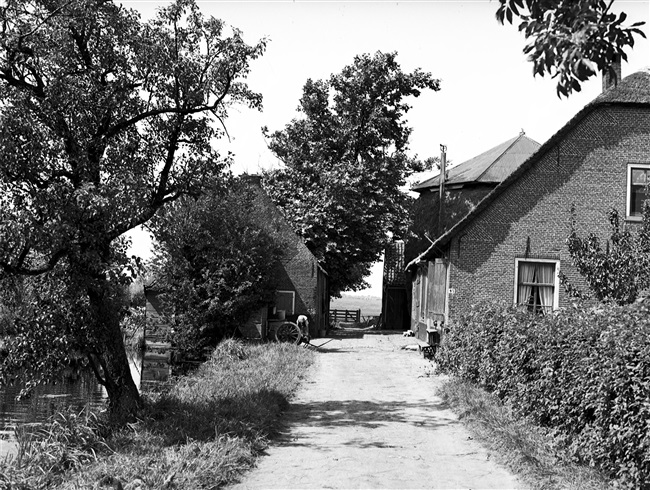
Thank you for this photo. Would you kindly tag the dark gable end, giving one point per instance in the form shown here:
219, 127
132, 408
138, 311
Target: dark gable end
298, 270
633, 90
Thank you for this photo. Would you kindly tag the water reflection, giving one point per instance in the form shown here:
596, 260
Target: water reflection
76, 390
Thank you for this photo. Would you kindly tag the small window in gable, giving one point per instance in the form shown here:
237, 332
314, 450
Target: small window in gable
285, 300
638, 180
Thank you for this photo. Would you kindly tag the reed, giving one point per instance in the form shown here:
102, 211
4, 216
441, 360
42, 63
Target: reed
204, 432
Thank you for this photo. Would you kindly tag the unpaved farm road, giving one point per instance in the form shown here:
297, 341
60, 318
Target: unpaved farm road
369, 417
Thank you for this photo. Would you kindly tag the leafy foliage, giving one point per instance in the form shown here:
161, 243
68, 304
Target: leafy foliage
584, 372
346, 159
214, 263
105, 119
620, 271
570, 39
50, 325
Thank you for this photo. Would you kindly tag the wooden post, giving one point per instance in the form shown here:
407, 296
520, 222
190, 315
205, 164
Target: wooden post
441, 184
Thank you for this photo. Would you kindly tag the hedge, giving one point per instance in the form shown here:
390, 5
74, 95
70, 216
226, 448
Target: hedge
583, 371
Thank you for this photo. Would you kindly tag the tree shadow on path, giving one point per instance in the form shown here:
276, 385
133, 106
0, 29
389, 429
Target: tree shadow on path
355, 414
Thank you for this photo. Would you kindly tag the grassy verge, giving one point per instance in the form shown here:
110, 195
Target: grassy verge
203, 433
533, 454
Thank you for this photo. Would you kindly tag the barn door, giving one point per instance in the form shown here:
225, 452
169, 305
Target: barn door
437, 300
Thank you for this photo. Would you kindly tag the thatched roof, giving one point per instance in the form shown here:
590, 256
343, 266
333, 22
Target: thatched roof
633, 90
490, 167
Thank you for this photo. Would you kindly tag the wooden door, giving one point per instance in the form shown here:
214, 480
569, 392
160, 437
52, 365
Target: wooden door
437, 292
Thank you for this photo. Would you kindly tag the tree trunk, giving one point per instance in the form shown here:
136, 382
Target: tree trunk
110, 359
123, 395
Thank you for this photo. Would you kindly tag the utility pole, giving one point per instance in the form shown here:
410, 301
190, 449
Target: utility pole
441, 185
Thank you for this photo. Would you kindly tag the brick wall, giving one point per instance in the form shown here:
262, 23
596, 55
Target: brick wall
586, 169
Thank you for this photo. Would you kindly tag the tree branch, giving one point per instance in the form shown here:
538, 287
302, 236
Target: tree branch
25, 271
7, 76
186, 111
82, 45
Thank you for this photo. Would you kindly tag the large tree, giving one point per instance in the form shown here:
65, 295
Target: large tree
103, 120
571, 40
346, 162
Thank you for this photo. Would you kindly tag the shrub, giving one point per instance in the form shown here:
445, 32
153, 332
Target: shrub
619, 271
583, 371
215, 262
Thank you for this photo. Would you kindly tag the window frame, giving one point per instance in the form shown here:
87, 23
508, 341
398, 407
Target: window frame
628, 189
556, 279
293, 299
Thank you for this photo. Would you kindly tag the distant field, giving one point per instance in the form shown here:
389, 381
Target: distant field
369, 305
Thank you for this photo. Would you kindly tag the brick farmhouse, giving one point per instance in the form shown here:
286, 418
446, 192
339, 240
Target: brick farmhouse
512, 244
301, 283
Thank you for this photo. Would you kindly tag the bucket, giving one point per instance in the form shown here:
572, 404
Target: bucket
281, 314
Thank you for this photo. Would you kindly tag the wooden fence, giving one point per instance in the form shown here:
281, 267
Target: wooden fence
345, 316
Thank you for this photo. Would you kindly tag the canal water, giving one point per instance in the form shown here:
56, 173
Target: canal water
76, 390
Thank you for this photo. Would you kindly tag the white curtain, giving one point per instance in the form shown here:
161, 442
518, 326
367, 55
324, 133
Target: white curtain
526, 275
546, 275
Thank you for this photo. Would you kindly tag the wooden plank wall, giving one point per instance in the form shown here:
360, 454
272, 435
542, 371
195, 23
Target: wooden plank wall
156, 362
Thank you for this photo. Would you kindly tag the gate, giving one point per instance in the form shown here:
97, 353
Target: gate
345, 316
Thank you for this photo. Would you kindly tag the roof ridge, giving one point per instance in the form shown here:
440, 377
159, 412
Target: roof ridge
521, 135
425, 184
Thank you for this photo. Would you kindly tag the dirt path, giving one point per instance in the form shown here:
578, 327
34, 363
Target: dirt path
369, 418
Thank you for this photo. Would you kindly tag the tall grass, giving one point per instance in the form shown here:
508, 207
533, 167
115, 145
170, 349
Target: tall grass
203, 433
533, 454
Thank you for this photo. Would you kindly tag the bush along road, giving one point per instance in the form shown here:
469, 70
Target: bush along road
583, 373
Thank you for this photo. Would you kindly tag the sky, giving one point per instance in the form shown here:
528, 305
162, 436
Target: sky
488, 93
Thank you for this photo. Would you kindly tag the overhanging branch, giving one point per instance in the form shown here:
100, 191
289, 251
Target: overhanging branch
20, 269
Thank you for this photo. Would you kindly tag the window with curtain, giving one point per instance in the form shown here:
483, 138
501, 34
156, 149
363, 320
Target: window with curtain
536, 285
638, 179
